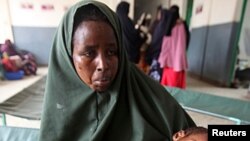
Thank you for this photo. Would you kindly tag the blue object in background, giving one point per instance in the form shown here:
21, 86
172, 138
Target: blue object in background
14, 75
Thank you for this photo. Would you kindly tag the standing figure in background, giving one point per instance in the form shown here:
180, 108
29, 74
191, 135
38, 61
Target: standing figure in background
173, 58
157, 19
157, 33
133, 40
153, 52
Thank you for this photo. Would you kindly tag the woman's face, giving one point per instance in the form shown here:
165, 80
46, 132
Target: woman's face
95, 54
158, 15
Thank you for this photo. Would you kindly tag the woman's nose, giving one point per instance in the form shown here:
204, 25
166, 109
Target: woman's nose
102, 63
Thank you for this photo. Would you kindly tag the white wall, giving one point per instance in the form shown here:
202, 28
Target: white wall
5, 23
225, 11
200, 13
22, 15
244, 42
212, 12
32, 12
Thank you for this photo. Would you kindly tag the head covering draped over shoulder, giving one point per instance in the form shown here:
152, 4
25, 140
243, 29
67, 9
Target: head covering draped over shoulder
174, 18
171, 21
132, 39
134, 108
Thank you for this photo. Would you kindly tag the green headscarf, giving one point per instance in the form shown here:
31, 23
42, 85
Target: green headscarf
134, 108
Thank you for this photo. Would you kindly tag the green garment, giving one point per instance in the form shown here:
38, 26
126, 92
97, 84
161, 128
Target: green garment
1, 71
134, 108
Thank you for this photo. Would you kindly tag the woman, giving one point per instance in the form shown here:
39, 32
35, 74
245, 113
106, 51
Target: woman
157, 19
153, 52
94, 93
132, 38
173, 58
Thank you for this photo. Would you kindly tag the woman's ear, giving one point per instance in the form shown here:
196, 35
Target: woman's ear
178, 135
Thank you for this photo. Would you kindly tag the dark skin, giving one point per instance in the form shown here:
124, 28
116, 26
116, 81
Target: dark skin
95, 54
181, 136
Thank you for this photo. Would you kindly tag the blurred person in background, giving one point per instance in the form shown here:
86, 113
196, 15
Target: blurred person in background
153, 52
173, 59
132, 37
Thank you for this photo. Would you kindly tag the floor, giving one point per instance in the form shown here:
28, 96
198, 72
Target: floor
192, 84
200, 86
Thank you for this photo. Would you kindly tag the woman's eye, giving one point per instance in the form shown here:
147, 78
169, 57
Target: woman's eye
112, 52
89, 53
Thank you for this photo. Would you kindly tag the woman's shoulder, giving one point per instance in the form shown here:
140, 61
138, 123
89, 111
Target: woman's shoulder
179, 21
180, 24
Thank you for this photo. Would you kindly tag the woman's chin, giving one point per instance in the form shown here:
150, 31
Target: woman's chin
101, 88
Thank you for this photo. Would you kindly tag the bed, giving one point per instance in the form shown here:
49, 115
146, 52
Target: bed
28, 104
23, 98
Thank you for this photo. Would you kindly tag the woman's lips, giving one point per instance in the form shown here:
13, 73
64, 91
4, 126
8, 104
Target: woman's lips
102, 82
